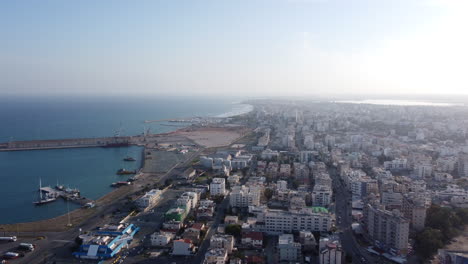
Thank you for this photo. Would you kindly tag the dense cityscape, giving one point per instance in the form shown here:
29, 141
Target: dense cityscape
302, 182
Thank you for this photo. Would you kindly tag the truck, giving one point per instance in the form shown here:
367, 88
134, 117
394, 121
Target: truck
26, 246
9, 239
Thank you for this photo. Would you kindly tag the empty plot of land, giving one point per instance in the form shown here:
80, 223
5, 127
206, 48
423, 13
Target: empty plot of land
161, 161
211, 137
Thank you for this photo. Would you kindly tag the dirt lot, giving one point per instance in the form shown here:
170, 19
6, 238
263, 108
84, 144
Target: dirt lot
212, 137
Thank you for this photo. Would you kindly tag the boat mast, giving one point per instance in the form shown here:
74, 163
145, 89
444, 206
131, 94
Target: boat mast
40, 188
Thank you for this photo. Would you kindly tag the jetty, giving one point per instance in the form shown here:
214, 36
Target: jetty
69, 143
72, 195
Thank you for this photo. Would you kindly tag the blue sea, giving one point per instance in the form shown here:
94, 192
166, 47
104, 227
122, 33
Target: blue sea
91, 170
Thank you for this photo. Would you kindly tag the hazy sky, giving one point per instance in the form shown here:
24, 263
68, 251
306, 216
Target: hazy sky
257, 47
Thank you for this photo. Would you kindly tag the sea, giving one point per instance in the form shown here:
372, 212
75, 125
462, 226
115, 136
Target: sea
91, 170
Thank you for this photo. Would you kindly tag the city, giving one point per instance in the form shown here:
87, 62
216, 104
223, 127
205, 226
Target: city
305, 182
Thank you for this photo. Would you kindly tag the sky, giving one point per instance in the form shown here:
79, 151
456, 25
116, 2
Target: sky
234, 47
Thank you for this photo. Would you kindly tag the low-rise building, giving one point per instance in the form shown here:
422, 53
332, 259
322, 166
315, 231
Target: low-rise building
222, 241
161, 239
149, 199
288, 249
106, 242
252, 239
182, 247
216, 256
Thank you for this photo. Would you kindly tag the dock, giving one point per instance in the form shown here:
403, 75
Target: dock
68, 196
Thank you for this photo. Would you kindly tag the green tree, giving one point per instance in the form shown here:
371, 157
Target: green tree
268, 193
234, 230
428, 241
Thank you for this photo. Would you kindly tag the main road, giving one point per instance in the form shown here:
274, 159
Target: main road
344, 221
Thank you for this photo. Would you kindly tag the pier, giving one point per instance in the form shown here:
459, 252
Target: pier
69, 143
68, 196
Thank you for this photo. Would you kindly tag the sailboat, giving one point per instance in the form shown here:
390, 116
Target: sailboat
44, 198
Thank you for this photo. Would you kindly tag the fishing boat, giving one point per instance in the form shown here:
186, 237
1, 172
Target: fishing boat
125, 172
128, 158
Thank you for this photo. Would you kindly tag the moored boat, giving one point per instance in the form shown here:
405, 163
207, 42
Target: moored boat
125, 172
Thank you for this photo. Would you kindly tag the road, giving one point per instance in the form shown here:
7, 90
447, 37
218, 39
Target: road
344, 221
200, 256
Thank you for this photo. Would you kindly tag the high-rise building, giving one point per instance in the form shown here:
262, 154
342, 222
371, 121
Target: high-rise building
390, 229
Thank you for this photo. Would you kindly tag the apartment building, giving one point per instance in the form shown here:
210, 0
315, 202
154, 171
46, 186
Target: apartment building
288, 249
243, 196
279, 221
322, 195
390, 229
218, 186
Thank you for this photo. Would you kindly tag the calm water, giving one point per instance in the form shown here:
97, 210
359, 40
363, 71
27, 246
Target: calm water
90, 170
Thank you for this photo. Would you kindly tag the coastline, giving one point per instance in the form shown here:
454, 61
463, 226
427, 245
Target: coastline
53, 222
110, 200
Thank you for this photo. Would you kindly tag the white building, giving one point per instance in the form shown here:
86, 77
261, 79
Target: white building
389, 228
322, 195
330, 251
216, 256
222, 241
269, 154
392, 199
192, 197
182, 247
279, 221
161, 239
282, 185
288, 249
396, 164
463, 164
149, 199
218, 186
243, 196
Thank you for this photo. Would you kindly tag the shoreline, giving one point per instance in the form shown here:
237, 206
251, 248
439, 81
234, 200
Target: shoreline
38, 224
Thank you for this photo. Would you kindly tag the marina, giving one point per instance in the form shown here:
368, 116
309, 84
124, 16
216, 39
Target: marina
49, 194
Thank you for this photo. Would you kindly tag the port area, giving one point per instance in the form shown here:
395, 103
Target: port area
163, 160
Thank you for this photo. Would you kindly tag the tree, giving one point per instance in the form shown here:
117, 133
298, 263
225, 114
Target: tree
234, 230
268, 193
168, 182
462, 213
428, 241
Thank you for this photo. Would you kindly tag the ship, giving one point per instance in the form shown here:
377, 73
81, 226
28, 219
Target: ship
120, 183
44, 198
129, 159
125, 172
